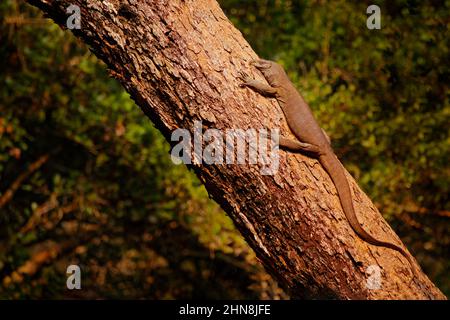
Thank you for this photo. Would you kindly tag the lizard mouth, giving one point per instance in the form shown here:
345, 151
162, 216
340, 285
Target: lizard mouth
261, 65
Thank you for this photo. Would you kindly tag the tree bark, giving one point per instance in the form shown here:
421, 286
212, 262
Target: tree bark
180, 61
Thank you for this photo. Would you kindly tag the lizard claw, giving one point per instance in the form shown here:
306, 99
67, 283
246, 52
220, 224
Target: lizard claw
244, 77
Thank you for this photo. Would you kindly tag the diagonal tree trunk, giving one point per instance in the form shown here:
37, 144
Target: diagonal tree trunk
180, 61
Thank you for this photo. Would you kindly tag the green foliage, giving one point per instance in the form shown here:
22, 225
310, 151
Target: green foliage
108, 198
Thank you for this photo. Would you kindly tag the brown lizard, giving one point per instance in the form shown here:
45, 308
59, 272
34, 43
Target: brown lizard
311, 140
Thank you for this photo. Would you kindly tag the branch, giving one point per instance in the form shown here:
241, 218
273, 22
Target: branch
9, 193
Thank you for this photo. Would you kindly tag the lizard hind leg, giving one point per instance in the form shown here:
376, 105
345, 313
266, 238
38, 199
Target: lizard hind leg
295, 145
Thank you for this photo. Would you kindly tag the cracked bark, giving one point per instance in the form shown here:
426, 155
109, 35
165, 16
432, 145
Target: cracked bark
180, 61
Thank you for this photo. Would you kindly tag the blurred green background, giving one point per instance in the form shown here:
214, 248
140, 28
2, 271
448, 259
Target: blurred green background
86, 179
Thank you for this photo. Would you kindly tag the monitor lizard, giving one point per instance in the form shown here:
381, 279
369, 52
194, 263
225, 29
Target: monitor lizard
311, 139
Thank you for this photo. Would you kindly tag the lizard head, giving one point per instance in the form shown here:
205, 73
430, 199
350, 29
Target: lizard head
272, 71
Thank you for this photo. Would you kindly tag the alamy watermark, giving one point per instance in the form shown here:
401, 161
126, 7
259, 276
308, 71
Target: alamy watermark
232, 146
74, 278
74, 20
373, 282
374, 20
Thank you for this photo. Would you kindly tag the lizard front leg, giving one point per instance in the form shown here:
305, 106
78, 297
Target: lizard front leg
256, 85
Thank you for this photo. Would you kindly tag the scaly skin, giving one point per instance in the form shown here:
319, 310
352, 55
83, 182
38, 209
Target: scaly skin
312, 140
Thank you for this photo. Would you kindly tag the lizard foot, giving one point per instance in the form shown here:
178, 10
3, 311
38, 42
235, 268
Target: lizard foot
245, 78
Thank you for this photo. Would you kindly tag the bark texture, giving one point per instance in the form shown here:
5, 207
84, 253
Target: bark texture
180, 61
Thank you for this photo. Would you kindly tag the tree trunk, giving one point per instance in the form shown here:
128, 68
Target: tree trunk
180, 61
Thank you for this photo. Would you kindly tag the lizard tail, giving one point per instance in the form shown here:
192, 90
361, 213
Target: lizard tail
335, 170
